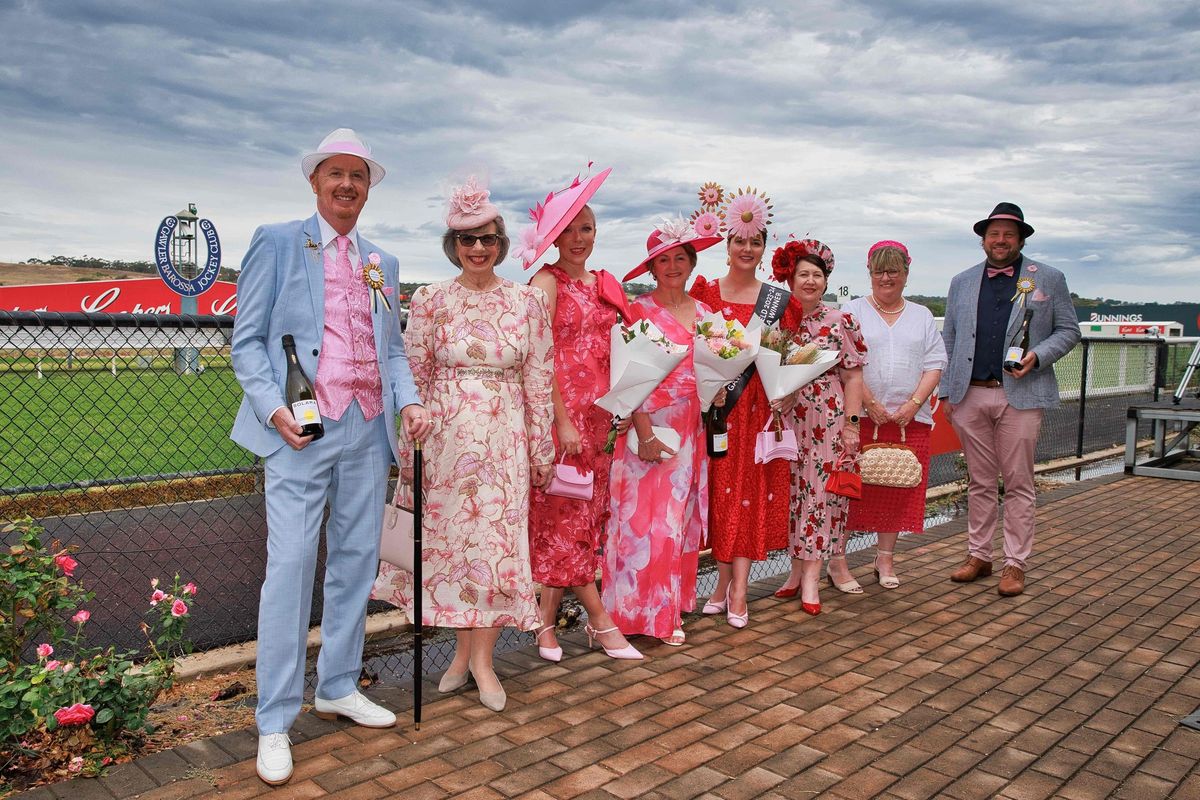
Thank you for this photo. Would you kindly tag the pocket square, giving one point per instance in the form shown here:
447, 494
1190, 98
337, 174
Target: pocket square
388, 291
1039, 296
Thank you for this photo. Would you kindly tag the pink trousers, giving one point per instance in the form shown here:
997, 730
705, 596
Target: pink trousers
998, 440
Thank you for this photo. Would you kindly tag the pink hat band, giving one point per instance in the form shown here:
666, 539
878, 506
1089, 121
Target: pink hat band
346, 148
342, 142
889, 243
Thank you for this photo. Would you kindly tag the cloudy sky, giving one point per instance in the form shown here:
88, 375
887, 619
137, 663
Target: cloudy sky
906, 119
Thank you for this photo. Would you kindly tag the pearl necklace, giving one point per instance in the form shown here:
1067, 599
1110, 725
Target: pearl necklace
883, 310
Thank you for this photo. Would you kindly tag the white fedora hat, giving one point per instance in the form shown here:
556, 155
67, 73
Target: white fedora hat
343, 141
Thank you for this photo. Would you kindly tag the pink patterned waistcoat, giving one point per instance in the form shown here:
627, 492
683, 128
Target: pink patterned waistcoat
348, 366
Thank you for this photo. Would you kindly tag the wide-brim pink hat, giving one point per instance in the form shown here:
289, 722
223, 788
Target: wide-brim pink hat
554, 214
660, 241
342, 142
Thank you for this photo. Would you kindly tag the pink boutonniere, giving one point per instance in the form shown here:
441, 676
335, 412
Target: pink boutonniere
1033, 267
388, 291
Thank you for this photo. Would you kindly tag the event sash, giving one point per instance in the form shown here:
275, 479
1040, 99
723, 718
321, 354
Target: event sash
769, 308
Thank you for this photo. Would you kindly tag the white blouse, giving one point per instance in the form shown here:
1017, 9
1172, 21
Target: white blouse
899, 353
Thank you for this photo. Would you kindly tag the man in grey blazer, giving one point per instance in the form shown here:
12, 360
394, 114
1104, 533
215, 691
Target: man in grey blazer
321, 282
997, 413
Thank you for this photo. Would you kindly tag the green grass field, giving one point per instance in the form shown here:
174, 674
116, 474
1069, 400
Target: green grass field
82, 425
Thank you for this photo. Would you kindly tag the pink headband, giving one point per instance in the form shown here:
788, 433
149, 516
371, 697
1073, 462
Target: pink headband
889, 243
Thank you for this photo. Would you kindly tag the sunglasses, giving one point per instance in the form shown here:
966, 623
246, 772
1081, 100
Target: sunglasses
488, 239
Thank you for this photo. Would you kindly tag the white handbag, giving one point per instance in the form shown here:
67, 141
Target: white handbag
396, 544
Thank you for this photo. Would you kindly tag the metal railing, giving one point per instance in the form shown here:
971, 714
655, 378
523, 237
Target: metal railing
115, 439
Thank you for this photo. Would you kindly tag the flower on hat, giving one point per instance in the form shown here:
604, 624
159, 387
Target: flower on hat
783, 262
675, 230
711, 196
470, 198
747, 213
527, 244
707, 223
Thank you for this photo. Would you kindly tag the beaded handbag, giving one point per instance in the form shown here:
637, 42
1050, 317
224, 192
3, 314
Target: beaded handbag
889, 464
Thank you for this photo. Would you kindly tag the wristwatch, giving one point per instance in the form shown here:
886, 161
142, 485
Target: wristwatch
853, 419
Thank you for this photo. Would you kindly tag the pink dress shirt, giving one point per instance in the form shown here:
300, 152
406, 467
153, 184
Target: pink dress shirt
348, 366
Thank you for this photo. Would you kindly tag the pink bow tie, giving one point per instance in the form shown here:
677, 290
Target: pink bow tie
994, 271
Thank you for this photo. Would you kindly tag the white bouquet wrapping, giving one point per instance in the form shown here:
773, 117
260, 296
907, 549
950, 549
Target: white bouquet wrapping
641, 357
724, 348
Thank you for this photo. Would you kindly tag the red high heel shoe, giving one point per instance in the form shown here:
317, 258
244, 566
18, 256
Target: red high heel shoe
787, 594
810, 608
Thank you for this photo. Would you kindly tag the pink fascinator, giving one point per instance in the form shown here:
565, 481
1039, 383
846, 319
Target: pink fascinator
469, 206
553, 214
747, 213
889, 243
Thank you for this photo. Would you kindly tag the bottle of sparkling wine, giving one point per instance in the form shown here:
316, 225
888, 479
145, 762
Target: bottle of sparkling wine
716, 432
300, 395
1016, 352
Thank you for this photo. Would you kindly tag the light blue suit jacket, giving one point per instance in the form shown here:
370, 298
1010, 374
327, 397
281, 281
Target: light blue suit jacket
1053, 331
282, 290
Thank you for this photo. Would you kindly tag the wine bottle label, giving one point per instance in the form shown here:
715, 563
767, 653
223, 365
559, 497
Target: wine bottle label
305, 412
1014, 355
720, 442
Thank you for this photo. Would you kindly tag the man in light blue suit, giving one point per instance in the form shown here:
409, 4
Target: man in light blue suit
996, 410
328, 287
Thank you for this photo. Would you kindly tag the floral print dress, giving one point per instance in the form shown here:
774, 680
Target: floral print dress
565, 534
482, 362
818, 517
659, 511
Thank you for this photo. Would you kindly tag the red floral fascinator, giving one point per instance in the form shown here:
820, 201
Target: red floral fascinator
785, 259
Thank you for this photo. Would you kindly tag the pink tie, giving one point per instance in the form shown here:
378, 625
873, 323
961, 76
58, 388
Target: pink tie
343, 259
991, 271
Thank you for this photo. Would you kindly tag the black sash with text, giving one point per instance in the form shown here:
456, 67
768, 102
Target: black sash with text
769, 308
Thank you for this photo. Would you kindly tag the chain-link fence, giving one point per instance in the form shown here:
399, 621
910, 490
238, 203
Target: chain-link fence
115, 439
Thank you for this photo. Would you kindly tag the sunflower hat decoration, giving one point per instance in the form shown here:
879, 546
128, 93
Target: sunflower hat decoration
709, 220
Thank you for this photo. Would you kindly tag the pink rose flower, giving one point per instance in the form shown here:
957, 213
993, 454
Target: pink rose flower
190, 588
53, 665
76, 765
178, 608
154, 583
67, 667
44, 650
66, 564
81, 616
373, 259
78, 714
158, 596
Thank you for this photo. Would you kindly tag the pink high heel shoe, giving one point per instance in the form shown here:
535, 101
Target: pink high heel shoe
712, 606
549, 653
627, 652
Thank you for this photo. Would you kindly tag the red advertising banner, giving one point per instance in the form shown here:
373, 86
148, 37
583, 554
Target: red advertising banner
134, 296
943, 439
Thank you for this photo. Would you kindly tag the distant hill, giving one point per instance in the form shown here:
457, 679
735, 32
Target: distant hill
19, 274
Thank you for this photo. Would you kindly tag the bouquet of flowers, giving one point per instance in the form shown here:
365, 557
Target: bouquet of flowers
783, 365
724, 348
641, 357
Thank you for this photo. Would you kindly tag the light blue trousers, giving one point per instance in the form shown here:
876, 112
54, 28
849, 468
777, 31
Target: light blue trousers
348, 467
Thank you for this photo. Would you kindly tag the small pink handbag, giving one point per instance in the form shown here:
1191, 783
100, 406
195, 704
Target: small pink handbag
773, 442
570, 481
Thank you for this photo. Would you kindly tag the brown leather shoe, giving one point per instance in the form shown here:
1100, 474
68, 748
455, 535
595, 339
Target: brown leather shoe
972, 569
1012, 581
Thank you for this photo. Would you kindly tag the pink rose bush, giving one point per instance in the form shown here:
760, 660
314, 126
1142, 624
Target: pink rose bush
81, 616
78, 714
44, 650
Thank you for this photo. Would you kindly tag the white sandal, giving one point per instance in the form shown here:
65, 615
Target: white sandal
890, 581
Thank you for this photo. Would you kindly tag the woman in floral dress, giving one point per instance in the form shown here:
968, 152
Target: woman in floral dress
481, 354
659, 506
748, 513
565, 533
825, 417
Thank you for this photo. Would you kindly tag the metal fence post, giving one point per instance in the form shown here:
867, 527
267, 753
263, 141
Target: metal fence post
1083, 382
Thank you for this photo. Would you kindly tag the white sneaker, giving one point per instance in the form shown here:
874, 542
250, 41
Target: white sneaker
357, 708
275, 758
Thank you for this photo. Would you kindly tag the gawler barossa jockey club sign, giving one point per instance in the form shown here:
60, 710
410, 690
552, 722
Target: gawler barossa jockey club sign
169, 272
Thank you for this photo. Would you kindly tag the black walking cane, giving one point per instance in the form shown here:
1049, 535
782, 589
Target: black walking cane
418, 585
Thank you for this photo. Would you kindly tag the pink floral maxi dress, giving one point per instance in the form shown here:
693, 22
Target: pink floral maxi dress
659, 512
482, 362
565, 534
818, 517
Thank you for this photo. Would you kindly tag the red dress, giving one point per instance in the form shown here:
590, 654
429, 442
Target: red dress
565, 534
748, 502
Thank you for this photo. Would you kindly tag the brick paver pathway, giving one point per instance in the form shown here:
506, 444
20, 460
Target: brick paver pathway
1074, 690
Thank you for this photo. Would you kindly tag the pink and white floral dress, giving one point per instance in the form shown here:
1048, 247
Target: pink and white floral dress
482, 362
